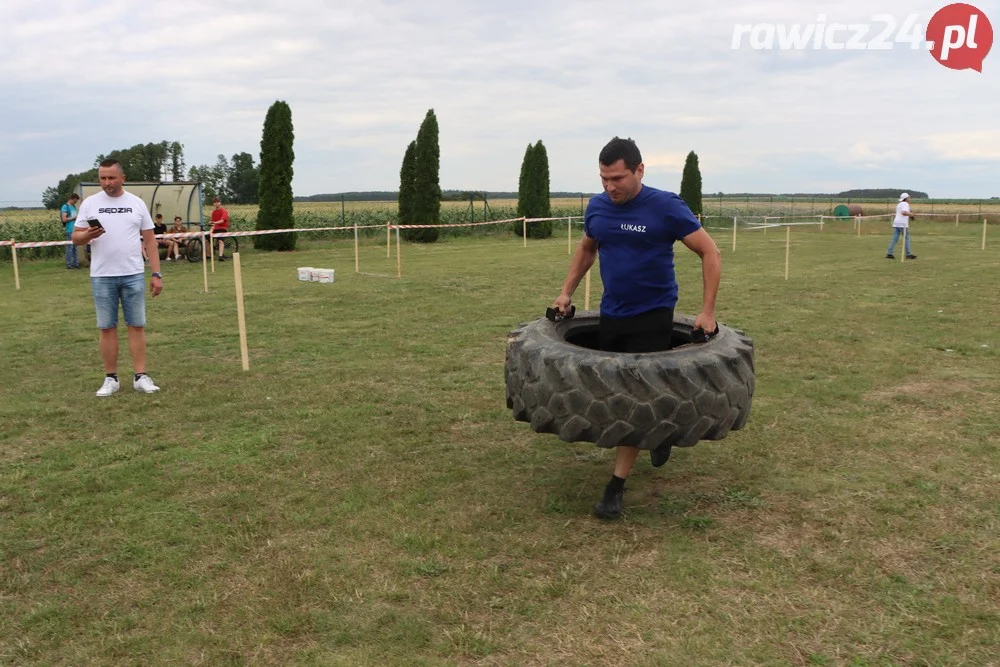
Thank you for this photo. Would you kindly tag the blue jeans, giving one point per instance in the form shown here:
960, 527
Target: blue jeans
72, 261
129, 290
896, 233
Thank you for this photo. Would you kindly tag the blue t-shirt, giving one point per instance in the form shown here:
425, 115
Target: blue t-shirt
635, 243
70, 212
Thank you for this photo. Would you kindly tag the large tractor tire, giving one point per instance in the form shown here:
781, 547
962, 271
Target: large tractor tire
561, 384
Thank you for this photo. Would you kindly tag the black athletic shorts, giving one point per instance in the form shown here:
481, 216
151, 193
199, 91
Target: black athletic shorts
649, 332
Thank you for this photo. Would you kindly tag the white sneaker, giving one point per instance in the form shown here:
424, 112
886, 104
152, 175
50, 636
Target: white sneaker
145, 385
109, 387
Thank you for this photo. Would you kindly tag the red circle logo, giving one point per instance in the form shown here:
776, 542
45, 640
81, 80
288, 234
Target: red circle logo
961, 36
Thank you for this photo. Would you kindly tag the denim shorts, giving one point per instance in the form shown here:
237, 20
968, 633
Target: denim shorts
130, 291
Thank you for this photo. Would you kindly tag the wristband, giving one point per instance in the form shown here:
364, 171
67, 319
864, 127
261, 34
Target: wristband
157, 274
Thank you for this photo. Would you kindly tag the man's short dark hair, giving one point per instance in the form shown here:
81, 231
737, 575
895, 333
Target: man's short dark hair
216, 199
159, 215
621, 149
176, 218
73, 196
111, 162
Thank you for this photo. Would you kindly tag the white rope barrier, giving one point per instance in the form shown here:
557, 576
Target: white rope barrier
784, 224
262, 232
565, 217
464, 224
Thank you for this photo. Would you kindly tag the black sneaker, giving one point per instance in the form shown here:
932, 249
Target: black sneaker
911, 257
610, 506
890, 257
221, 258
660, 455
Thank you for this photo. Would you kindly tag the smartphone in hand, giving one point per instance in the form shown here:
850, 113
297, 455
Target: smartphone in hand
94, 222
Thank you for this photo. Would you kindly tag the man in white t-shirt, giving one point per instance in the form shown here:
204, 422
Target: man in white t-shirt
901, 227
117, 271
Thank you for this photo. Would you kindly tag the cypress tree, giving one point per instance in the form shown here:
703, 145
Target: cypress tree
533, 192
427, 182
540, 187
407, 185
525, 191
691, 184
275, 187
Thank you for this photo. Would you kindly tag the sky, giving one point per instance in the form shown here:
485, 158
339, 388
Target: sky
84, 77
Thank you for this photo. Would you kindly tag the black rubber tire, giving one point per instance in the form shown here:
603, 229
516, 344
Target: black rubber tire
193, 250
696, 391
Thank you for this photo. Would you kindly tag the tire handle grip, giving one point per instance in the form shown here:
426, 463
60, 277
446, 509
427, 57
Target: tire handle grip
555, 316
699, 336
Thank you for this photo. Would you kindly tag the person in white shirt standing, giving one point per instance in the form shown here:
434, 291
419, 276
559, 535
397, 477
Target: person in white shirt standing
117, 271
901, 227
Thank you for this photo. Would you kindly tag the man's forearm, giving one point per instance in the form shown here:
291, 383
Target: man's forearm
711, 276
152, 251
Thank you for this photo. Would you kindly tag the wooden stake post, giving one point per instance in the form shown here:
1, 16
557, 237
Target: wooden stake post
13, 256
734, 233
204, 260
357, 260
788, 248
984, 235
240, 315
388, 240
399, 257
586, 292
524, 231
569, 236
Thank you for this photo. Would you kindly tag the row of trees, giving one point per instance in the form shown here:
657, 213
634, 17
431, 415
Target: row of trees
236, 180
142, 162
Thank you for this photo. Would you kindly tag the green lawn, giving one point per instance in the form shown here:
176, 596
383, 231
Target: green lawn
363, 496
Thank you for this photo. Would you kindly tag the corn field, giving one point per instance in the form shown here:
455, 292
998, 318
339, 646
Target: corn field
33, 224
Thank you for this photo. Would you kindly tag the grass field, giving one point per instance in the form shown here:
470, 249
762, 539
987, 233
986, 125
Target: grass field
362, 496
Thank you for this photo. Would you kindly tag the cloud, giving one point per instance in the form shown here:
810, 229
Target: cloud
970, 146
359, 78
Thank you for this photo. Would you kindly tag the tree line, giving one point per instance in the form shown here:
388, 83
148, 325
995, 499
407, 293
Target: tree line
235, 180
142, 162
